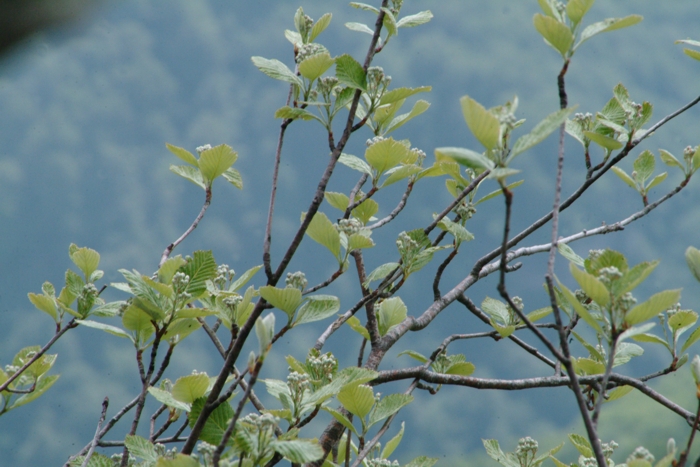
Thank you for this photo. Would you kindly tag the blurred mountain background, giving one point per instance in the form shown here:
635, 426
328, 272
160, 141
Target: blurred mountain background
85, 113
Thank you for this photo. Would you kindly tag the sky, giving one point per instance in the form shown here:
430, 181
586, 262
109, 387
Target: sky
87, 110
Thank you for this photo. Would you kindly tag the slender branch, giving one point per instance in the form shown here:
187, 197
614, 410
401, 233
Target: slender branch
71, 324
684, 455
474, 183
353, 193
169, 249
395, 212
440, 271
325, 283
96, 438
665, 120
214, 338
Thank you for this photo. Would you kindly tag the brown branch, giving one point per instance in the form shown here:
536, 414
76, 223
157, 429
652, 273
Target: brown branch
169, 249
96, 438
395, 212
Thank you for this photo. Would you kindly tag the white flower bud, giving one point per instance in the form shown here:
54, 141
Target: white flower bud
695, 368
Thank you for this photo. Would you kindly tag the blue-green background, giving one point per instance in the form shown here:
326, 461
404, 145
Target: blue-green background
85, 113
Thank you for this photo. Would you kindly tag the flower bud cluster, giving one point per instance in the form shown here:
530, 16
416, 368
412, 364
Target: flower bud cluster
465, 210
298, 383
296, 280
309, 50
327, 86
641, 453
526, 450
322, 368
180, 282
224, 274
418, 155
232, 302
376, 79
382, 463
349, 226
688, 154
374, 140
609, 275
408, 247
584, 119
201, 149
262, 421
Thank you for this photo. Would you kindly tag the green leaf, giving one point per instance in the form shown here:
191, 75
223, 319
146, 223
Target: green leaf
581, 444
417, 19
316, 308
299, 451
603, 141
380, 272
482, 123
504, 331
108, 310
358, 241
42, 385
183, 154
386, 154
460, 369
364, 6
399, 94
350, 73
580, 309
337, 200
388, 406
681, 321
567, 252
633, 277
180, 460
556, 34
319, 26
418, 108
389, 22
588, 366
668, 159
169, 268
590, 284
342, 419
495, 193
201, 268
355, 163
625, 352
644, 165
365, 210
190, 173
541, 131
119, 332
44, 303
652, 307
276, 70
577, 9
692, 338
86, 259
496, 309
243, 280
466, 157
634, 331
539, 314
164, 397
136, 319
265, 330
656, 180
357, 399
287, 299
215, 161
322, 231
359, 27
316, 65
415, 355
422, 461
618, 392
651, 338
191, 387
393, 443
215, 425
494, 452
392, 311
625, 178
457, 230
141, 447
692, 53
609, 24
501, 173
356, 326
692, 257
163, 289
292, 113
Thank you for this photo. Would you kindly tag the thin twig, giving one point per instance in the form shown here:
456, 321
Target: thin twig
96, 438
395, 212
169, 249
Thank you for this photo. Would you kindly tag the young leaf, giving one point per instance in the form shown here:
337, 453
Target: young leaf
42, 385
276, 70
388, 406
355, 163
201, 268
415, 19
644, 165
651, 338
86, 259
555, 33
189, 388
190, 173
567, 252
538, 134
342, 419
460, 369
215, 161
356, 326
337, 200
580, 309
590, 284
482, 123
298, 451
466, 157
380, 272
265, 330
322, 231
316, 308
418, 108
287, 299
392, 311
386, 154
656, 180
398, 94
576, 9
390, 22
319, 26
183, 154
581, 444
104, 327
292, 113
692, 257
141, 447
393, 443
652, 307
215, 425
350, 73
169, 268
365, 211
315, 65
494, 452
617, 393
359, 27
44, 303
692, 338
603, 141
357, 399
624, 177
609, 24
668, 159
415, 355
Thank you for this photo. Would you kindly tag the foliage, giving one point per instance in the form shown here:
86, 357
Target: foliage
343, 95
